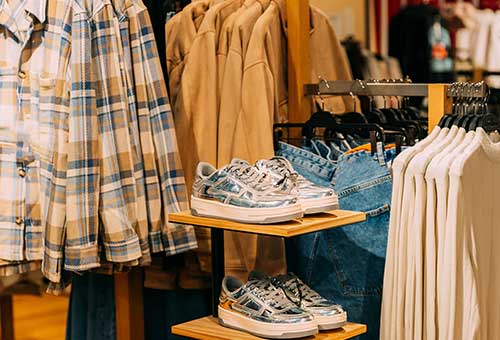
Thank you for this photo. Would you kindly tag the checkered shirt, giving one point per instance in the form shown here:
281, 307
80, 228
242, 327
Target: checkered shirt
88, 152
29, 55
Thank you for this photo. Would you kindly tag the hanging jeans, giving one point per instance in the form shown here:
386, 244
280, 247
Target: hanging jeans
91, 314
346, 264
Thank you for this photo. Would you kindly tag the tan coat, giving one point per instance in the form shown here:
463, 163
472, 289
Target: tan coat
244, 244
265, 90
223, 47
180, 33
199, 81
233, 77
224, 43
187, 270
200, 93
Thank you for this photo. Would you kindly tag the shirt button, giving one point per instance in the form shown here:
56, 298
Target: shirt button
22, 74
19, 220
21, 172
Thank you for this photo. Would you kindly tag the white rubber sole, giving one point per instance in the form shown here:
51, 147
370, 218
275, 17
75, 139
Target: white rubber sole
209, 208
263, 329
319, 205
326, 323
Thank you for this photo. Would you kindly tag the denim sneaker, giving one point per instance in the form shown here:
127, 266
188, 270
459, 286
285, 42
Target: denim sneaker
313, 198
328, 315
259, 308
241, 193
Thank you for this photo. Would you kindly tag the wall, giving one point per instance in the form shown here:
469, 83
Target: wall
347, 16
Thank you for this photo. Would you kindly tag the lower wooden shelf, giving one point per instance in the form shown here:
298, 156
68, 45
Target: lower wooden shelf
208, 328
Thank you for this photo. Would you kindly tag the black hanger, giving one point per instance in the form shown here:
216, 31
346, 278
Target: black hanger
456, 116
352, 117
485, 119
320, 119
374, 131
277, 137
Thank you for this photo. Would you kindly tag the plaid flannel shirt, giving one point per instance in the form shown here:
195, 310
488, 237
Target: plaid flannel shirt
28, 62
54, 120
100, 160
137, 97
88, 151
176, 238
127, 89
141, 143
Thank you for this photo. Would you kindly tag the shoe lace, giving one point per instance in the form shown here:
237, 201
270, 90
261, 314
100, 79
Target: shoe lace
250, 175
265, 291
296, 286
283, 170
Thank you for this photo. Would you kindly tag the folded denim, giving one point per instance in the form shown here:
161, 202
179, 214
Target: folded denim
310, 165
347, 264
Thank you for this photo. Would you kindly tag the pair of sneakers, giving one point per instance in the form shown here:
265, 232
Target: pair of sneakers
269, 191
280, 307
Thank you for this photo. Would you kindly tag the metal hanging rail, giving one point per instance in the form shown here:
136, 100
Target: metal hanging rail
362, 88
468, 90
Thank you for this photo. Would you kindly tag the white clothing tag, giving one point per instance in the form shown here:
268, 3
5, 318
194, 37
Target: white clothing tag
380, 153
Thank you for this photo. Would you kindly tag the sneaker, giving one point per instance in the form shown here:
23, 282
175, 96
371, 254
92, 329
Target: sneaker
241, 193
259, 308
313, 198
327, 314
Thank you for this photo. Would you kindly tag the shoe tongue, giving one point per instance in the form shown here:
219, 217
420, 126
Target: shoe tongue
256, 275
242, 167
238, 161
261, 164
288, 276
283, 162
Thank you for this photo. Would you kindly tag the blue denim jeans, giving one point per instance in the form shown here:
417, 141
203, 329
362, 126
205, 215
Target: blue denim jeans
346, 264
91, 314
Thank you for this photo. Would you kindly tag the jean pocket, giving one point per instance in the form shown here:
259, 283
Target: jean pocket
357, 253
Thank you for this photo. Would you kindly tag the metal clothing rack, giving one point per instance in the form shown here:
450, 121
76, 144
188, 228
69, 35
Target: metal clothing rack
362, 88
439, 101
440, 95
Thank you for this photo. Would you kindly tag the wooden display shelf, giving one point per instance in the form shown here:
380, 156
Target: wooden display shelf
208, 328
308, 224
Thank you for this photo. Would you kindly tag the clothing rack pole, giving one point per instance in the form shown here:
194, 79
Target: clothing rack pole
129, 305
299, 73
477, 75
439, 103
299, 62
6, 318
356, 87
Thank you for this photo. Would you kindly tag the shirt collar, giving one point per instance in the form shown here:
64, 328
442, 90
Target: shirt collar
38, 8
6, 18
